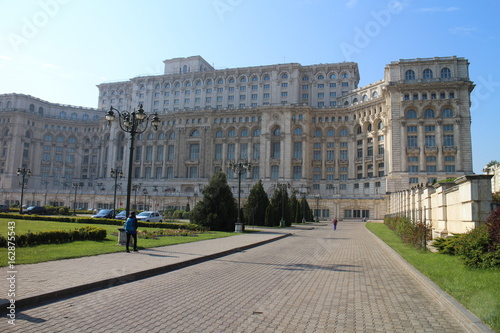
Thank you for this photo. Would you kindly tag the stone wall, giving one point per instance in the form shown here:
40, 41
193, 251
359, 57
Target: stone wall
449, 207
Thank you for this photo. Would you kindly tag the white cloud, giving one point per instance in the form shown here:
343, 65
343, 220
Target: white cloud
462, 30
438, 9
52, 66
5, 58
351, 3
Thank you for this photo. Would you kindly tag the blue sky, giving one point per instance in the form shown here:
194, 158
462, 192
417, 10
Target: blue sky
59, 50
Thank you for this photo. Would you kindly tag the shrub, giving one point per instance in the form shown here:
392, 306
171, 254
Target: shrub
409, 232
57, 236
447, 245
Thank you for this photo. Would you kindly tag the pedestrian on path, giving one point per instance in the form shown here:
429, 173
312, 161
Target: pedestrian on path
131, 230
334, 222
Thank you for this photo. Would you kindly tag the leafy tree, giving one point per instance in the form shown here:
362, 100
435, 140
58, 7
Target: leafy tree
187, 207
279, 209
293, 209
492, 163
257, 203
217, 210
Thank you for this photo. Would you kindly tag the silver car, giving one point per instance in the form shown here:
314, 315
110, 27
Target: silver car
149, 216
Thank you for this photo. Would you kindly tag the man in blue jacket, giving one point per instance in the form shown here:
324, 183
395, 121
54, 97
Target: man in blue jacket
131, 230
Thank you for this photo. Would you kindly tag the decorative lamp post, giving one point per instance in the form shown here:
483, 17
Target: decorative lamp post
115, 173
136, 188
132, 122
145, 192
239, 168
45, 182
317, 196
76, 186
23, 172
283, 187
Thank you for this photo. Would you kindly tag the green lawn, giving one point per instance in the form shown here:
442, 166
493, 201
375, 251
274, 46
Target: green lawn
30, 255
478, 290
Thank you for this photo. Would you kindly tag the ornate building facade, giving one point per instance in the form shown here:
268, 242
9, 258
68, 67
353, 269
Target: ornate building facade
342, 146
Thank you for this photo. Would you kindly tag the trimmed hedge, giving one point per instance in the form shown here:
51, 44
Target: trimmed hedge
409, 232
57, 237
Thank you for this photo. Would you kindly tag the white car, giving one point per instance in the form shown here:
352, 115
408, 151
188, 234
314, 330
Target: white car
149, 216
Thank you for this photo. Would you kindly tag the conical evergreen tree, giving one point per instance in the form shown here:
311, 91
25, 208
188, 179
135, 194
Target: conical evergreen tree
257, 203
273, 211
217, 210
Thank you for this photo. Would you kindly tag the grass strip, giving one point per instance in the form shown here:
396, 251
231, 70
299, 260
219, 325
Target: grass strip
476, 289
41, 253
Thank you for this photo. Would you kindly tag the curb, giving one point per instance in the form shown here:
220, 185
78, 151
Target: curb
466, 318
53, 296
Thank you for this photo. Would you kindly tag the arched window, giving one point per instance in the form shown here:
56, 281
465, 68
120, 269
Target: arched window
244, 132
359, 130
330, 133
219, 134
321, 77
187, 84
333, 76
161, 136
27, 134
343, 132
255, 78
369, 128
447, 113
277, 131
157, 86
305, 78
9, 104
429, 113
185, 69
40, 110
445, 73
317, 133
297, 131
267, 78
346, 103
284, 76
151, 136
195, 133
209, 82
411, 114
72, 140
167, 85
171, 136
380, 125
375, 94
74, 116
60, 139
32, 108
142, 87
220, 81
355, 100
365, 97
231, 133
85, 117
199, 83
256, 132
243, 79
345, 75
410, 75
62, 115
47, 138
427, 73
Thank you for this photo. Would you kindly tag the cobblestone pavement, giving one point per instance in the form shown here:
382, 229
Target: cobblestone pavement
314, 281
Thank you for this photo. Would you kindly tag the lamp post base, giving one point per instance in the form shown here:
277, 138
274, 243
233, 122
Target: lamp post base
282, 223
238, 227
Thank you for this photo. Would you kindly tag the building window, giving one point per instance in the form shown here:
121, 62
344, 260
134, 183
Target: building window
411, 114
445, 73
447, 113
427, 74
256, 151
275, 171
275, 149
448, 140
430, 168
297, 172
430, 140
410, 75
194, 152
412, 141
413, 168
449, 168
297, 150
230, 151
429, 113
413, 180
193, 172
218, 152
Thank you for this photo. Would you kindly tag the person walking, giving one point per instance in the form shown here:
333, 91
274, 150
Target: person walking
334, 222
131, 230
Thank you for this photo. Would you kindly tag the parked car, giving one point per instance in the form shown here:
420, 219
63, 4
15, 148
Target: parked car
38, 210
121, 215
105, 214
149, 216
4, 209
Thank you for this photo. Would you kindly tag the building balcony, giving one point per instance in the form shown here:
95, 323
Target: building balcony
369, 159
379, 157
450, 149
413, 150
343, 162
431, 150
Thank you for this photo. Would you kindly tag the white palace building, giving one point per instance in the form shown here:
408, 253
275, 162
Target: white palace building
342, 146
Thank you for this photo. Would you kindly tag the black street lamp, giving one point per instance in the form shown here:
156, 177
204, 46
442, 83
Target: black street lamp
45, 182
317, 196
283, 187
239, 168
23, 172
136, 188
115, 173
76, 186
145, 192
304, 194
132, 122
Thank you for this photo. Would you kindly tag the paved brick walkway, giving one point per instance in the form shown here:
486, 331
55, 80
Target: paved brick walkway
314, 281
